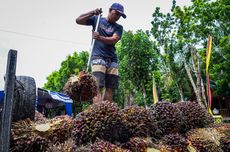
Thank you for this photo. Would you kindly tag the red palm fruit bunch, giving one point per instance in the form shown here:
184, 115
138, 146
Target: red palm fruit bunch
81, 88
39, 118
24, 137
67, 146
105, 146
135, 144
168, 116
138, 121
174, 142
224, 130
205, 139
101, 120
194, 116
60, 128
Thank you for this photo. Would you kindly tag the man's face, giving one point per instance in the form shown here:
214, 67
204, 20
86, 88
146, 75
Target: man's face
114, 16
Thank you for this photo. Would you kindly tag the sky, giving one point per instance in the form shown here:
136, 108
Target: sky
44, 32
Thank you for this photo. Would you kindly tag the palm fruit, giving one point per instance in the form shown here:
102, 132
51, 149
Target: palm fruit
150, 142
194, 116
83, 148
135, 144
25, 138
39, 118
104, 146
225, 141
224, 130
88, 86
174, 142
168, 116
81, 88
100, 120
73, 88
27, 135
67, 146
205, 139
60, 128
139, 121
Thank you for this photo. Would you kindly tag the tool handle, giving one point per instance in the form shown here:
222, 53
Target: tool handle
93, 42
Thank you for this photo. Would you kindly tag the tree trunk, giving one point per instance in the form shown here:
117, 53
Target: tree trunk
193, 62
128, 101
202, 89
180, 92
197, 73
144, 94
193, 84
203, 93
200, 84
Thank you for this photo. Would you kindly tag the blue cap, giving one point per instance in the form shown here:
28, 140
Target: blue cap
118, 7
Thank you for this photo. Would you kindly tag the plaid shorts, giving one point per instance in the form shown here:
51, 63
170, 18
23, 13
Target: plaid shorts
105, 71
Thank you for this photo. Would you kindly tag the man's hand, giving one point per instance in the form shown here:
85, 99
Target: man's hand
96, 36
97, 11
107, 40
82, 19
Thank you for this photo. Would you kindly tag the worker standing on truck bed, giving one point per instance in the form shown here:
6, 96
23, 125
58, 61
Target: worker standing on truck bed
104, 59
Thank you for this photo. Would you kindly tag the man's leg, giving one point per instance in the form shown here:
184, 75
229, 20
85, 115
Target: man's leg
108, 95
98, 98
98, 70
111, 81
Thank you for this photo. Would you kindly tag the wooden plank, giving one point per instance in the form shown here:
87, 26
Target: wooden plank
8, 101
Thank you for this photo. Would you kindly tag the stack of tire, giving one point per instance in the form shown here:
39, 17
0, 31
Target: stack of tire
24, 98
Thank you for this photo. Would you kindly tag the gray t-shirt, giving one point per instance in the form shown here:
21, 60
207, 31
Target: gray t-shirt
106, 29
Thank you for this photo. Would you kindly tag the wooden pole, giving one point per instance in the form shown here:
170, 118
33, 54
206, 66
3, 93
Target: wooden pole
8, 101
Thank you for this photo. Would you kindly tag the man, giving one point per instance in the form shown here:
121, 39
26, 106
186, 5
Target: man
104, 59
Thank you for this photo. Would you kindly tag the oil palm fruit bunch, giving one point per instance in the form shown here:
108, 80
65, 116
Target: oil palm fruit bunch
105, 146
60, 128
135, 144
225, 141
150, 142
25, 138
139, 121
73, 88
88, 86
82, 87
221, 126
83, 148
224, 130
168, 116
194, 116
174, 142
67, 146
100, 120
39, 118
205, 139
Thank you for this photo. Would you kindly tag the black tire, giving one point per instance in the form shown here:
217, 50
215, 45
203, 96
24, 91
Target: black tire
24, 98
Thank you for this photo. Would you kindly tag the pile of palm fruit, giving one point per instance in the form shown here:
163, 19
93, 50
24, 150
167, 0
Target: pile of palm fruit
81, 87
104, 127
35, 136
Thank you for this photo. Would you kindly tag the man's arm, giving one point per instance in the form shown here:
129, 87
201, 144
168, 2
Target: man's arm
82, 19
107, 40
